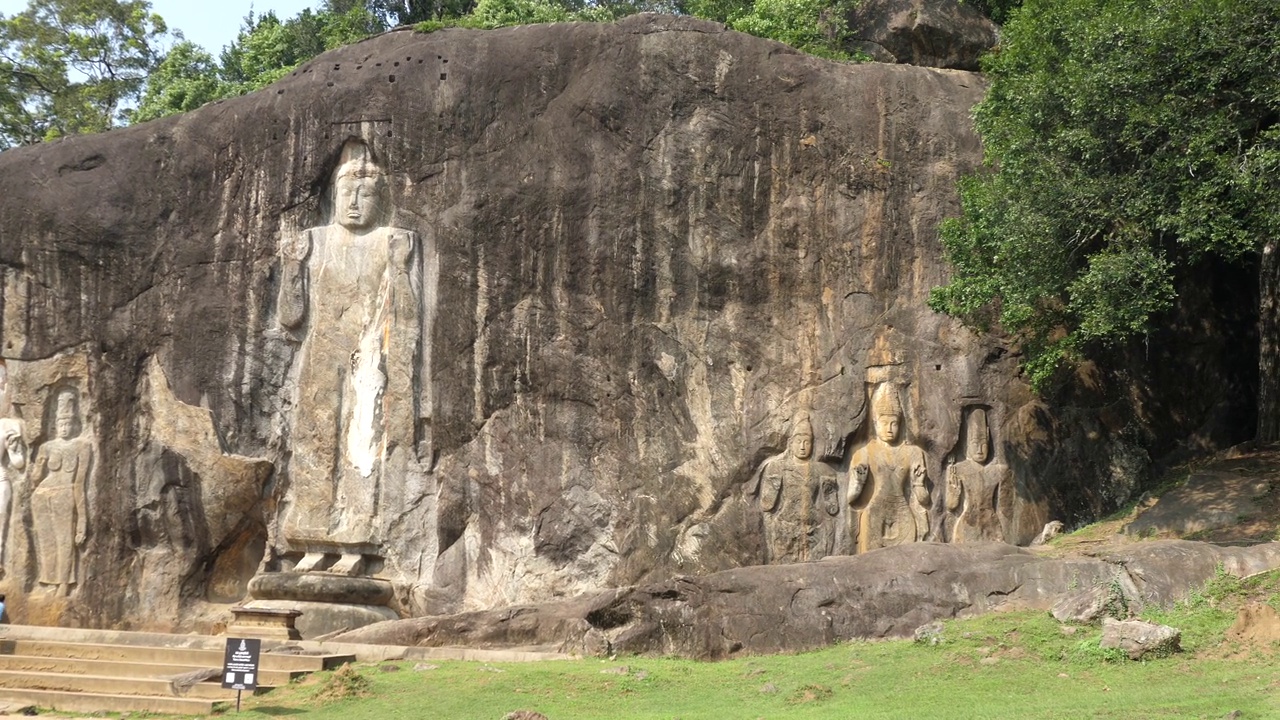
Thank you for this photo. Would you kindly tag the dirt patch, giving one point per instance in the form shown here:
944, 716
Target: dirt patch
1257, 625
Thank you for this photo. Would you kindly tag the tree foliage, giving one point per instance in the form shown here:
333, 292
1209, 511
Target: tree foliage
71, 66
266, 49
818, 27
1125, 139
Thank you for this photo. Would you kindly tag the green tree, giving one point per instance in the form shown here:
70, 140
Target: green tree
186, 79
501, 13
818, 27
265, 50
73, 66
1126, 140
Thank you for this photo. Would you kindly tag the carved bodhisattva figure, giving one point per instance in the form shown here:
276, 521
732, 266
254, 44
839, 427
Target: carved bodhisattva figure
351, 289
979, 491
59, 506
799, 499
887, 483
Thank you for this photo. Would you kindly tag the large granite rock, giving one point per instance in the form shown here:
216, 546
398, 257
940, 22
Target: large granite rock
499, 317
885, 593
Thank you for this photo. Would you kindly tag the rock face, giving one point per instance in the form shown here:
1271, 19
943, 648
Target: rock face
497, 317
934, 33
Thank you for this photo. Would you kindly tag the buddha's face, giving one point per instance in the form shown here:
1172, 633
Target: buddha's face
979, 448
888, 427
358, 188
802, 445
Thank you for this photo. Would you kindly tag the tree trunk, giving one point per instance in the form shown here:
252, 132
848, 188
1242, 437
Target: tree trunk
1269, 343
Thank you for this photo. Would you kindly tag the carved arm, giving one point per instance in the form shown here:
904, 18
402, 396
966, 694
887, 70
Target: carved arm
857, 482
955, 489
292, 303
919, 491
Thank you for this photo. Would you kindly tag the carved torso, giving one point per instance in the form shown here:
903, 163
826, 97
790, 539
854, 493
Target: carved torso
799, 499
355, 381
983, 494
889, 515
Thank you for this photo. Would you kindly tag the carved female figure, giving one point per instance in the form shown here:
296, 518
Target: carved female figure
13, 460
58, 502
888, 480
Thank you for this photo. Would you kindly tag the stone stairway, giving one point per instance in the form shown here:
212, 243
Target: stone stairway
88, 671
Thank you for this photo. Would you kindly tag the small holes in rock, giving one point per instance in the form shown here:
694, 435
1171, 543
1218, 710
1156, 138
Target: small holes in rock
937, 367
330, 84
444, 60
391, 78
397, 63
443, 76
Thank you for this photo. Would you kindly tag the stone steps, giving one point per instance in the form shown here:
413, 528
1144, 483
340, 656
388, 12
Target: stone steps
109, 684
196, 657
85, 671
79, 702
115, 668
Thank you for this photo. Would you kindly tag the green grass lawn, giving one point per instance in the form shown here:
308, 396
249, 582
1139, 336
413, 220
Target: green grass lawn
1011, 665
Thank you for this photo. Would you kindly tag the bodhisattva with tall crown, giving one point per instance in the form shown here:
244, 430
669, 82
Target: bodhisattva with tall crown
59, 504
798, 497
887, 484
979, 490
351, 290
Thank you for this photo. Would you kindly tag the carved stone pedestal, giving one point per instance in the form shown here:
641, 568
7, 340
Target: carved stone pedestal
328, 603
268, 624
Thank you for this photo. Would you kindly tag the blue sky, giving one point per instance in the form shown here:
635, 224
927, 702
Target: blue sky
205, 22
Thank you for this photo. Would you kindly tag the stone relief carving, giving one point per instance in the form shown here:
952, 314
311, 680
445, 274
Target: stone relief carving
58, 500
352, 291
979, 490
799, 497
13, 462
13, 458
888, 475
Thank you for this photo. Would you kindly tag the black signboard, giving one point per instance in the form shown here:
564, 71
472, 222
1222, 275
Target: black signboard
240, 666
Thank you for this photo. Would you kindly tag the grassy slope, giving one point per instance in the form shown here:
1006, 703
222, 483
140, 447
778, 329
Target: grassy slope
1015, 665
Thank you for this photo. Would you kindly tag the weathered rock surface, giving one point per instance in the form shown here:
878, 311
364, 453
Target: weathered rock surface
886, 593
1209, 500
620, 299
1139, 638
934, 33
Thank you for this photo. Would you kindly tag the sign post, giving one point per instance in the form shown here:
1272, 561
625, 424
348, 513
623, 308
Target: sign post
240, 665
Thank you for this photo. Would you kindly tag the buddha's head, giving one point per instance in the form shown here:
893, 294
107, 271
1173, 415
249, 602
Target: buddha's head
978, 439
886, 409
359, 187
801, 443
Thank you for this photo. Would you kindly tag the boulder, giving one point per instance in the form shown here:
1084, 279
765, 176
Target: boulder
894, 592
1139, 638
933, 33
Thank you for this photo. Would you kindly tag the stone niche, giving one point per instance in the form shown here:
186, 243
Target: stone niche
458, 320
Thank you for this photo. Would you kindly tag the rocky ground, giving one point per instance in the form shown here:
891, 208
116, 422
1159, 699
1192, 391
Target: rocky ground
1232, 498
